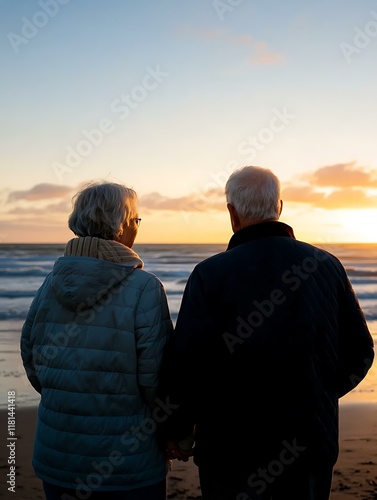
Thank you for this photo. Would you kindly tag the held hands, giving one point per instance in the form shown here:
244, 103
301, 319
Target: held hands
173, 451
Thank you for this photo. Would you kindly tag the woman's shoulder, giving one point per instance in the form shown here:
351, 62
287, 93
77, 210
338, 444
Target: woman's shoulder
143, 278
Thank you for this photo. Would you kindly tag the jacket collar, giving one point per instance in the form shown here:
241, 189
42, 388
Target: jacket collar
261, 230
99, 248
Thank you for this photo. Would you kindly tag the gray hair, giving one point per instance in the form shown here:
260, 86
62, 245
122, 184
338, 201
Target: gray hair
101, 209
255, 194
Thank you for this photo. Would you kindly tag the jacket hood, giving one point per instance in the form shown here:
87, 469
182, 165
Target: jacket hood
80, 282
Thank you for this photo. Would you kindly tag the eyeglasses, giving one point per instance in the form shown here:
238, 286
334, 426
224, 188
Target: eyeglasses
138, 221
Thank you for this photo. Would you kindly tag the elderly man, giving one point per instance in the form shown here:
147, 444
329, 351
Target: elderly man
269, 336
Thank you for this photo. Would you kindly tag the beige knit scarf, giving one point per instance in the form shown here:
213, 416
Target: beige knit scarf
99, 248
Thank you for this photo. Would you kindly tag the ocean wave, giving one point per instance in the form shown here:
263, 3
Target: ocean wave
173, 292
370, 316
20, 272
182, 282
365, 294
7, 315
169, 274
16, 294
351, 271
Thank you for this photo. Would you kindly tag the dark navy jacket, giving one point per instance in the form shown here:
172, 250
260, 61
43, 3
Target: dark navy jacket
269, 336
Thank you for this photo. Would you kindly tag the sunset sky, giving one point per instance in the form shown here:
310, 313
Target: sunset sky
170, 96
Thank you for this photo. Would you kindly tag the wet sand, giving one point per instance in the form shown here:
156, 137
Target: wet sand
355, 474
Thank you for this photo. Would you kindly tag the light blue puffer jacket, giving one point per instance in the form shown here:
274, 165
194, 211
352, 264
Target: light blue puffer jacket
92, 345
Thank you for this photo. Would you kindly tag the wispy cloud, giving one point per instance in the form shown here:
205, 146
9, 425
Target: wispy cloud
261, 55
301, 194
349, 198
61, 207
40, 192
198, 32
343, 185
338, 186
210, 200
258, 52
30, 202
337, 199
343, 175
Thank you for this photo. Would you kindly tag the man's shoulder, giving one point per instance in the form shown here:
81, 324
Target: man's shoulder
289, 246
212, 261
316, 249
317, 257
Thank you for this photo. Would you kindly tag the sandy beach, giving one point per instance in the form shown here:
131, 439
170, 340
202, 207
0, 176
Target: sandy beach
355, 474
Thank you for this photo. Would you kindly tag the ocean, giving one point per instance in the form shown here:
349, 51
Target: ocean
23, 268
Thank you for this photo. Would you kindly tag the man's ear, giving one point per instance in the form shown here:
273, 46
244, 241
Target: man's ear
281, 207
234, 218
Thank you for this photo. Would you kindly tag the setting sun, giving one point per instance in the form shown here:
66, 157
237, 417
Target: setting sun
360, 225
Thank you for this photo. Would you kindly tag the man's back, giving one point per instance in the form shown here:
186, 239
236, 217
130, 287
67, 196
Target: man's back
277, 336
268, 337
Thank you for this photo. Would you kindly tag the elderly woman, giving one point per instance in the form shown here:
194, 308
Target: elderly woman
92, 345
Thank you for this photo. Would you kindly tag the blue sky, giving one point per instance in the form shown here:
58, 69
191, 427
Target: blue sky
187, 91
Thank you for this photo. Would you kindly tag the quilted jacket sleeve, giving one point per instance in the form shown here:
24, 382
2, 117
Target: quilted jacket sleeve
356, 349
27, 342
153, 329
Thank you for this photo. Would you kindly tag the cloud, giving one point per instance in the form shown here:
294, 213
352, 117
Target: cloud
210, 200
263, 56
343, 175
339, 186
349, 198
343, 198
301, 194
258, 52
62, 207
40, 192
200, 33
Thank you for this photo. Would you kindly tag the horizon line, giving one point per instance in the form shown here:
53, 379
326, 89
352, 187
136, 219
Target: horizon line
199, 243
